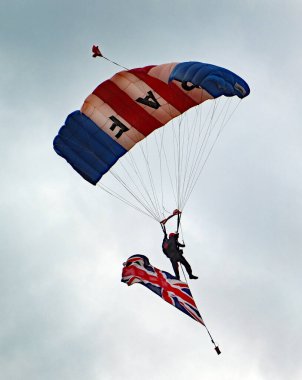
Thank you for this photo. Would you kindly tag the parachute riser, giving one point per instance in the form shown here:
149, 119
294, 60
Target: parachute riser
178, 225
178, 221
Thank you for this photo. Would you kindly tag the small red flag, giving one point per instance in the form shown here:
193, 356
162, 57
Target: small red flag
96, 52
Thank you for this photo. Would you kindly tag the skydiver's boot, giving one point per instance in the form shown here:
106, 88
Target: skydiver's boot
192, 277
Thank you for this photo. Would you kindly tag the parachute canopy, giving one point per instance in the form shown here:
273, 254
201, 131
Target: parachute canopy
125, 109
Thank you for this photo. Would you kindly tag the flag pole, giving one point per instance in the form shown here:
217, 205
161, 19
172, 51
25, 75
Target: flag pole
216, 348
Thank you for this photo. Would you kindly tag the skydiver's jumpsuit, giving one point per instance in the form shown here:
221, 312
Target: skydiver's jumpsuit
171, 248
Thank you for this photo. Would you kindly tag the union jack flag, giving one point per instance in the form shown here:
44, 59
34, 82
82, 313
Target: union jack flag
137, 269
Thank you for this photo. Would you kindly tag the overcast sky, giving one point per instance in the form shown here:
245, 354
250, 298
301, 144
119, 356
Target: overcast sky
64, 314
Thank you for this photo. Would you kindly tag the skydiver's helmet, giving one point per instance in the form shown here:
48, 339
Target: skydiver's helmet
173, 234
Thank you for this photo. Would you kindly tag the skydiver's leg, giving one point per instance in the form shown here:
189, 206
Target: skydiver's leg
175, 268
184, 262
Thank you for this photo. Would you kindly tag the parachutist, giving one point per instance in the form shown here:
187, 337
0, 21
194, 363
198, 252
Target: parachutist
171, 248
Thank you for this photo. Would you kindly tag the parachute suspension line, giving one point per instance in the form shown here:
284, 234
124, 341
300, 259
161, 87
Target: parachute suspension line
200, 160
175, 163
197, 146
170, 163
148, 205
178, 154
185, 154
200, 147
187, 145
222, 126
179, 157
127, 188
148, 202
168, 166
160, 150
168, 150
216, 348
119, 197
192, 141
151, 180
231, 113
182, 154
142, 183
153, 201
